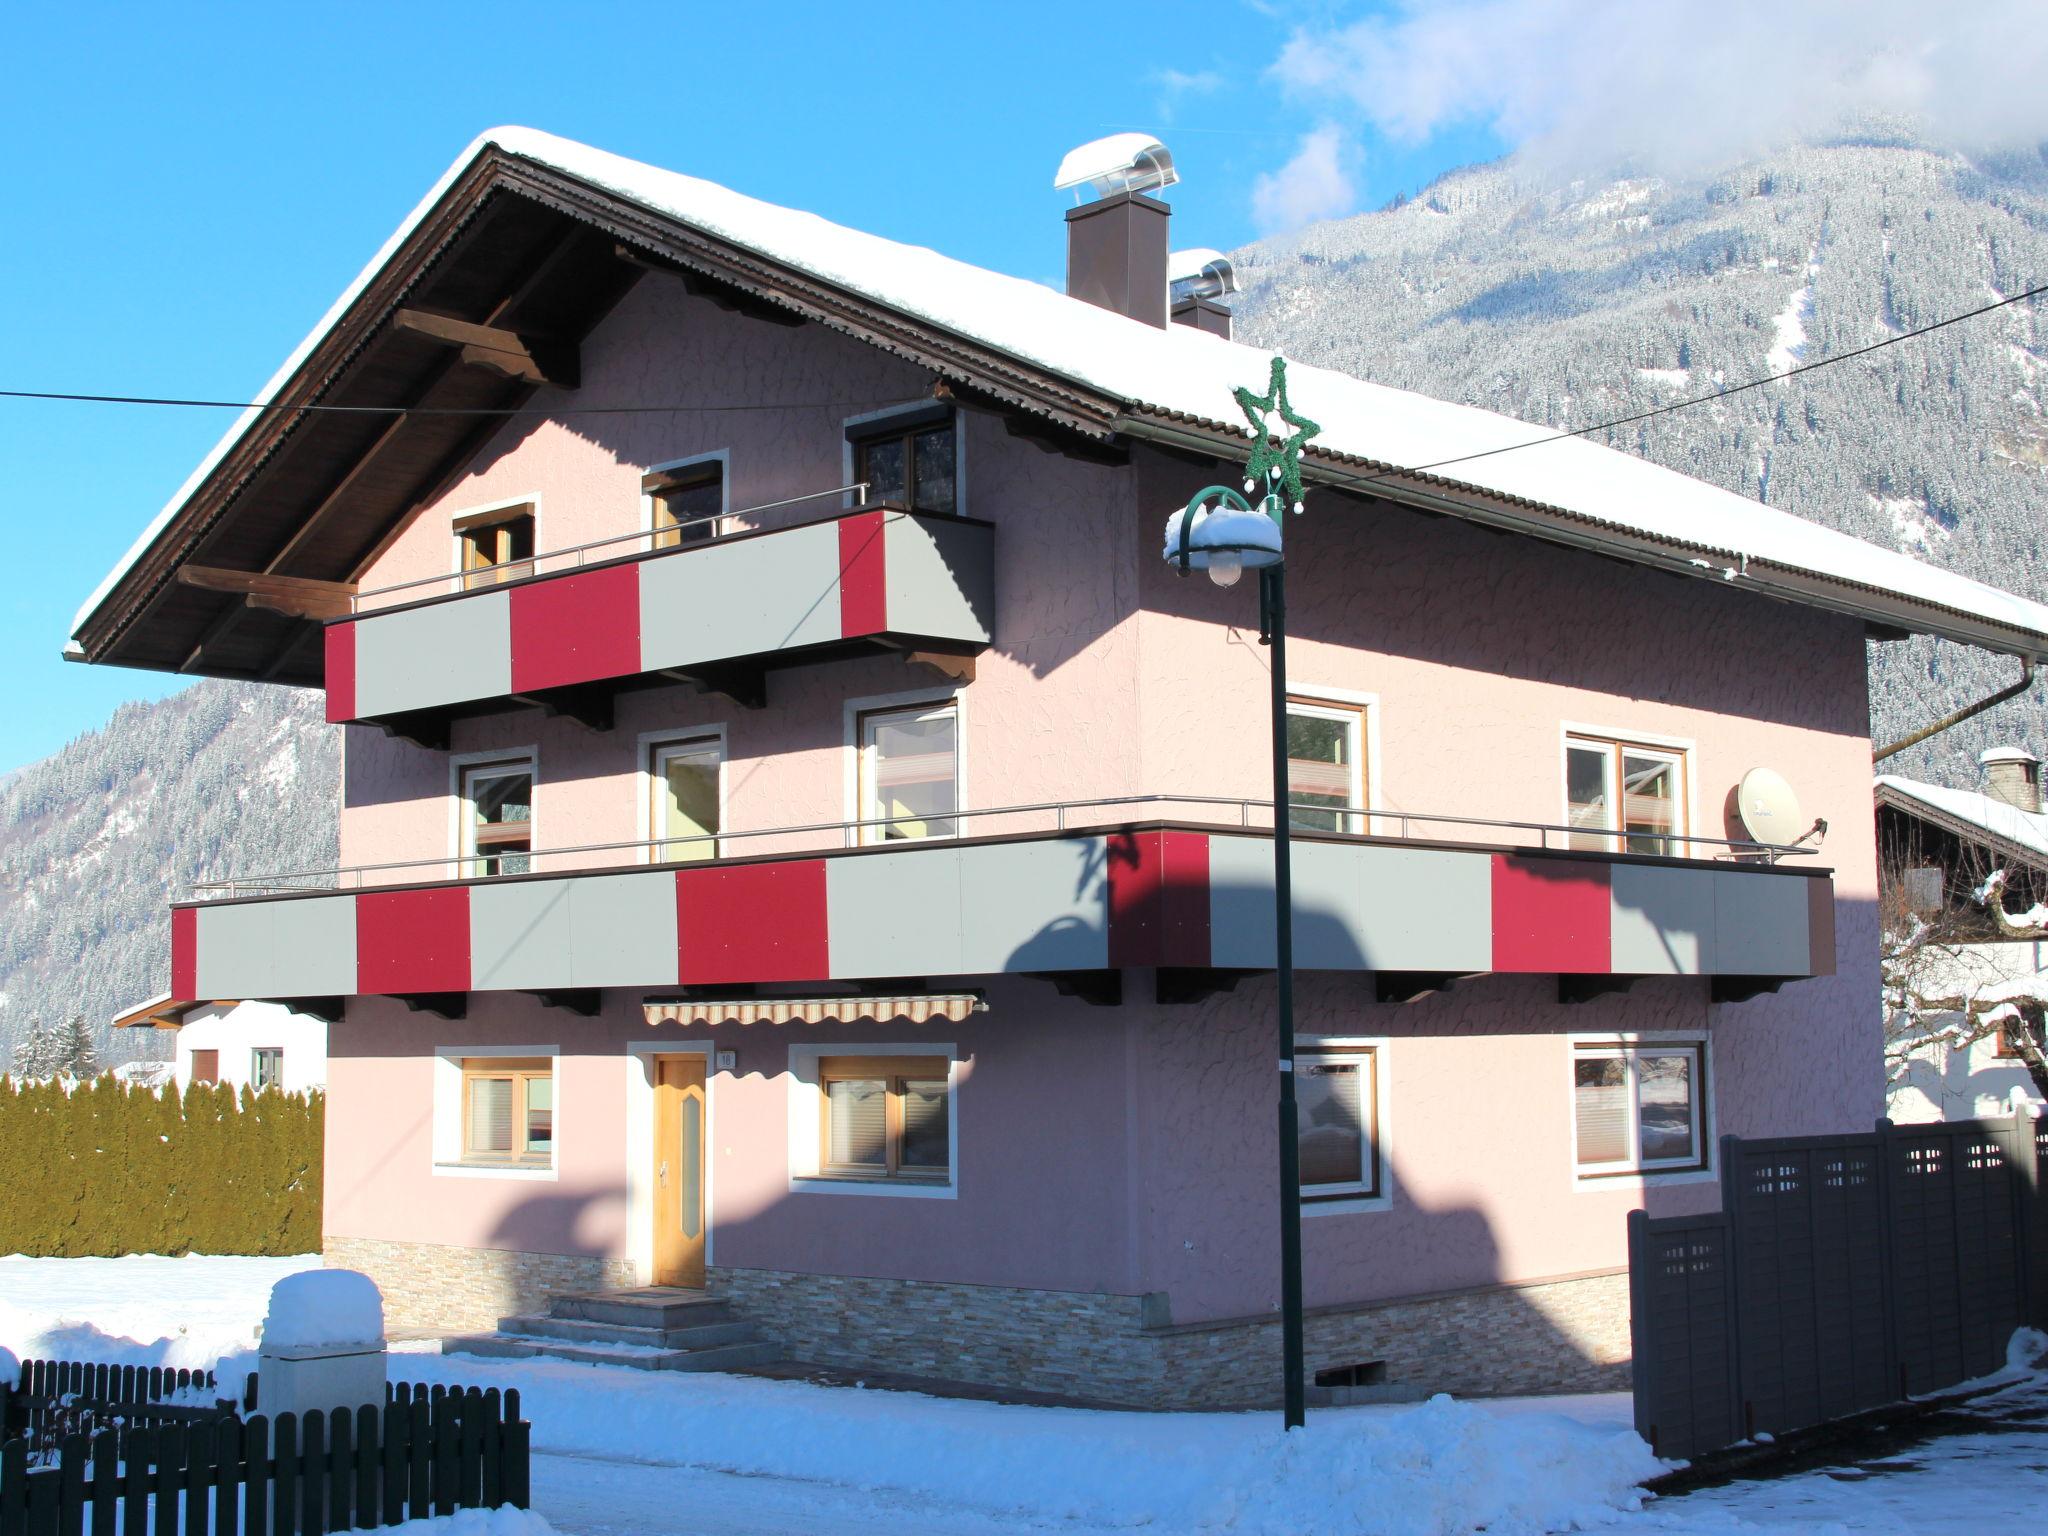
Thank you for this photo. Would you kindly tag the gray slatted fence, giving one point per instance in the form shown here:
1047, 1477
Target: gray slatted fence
1841, 1273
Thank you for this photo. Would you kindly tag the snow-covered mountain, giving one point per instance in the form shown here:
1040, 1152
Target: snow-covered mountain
1577, 304
1560, 305
96, 840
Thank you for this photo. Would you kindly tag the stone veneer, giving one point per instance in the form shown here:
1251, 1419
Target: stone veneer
430, 1286
1568, 1333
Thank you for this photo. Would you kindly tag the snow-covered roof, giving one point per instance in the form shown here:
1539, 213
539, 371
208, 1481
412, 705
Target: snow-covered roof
2024, 830
1181, 373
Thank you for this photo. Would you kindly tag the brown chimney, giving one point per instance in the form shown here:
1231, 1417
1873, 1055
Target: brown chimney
2012, 774
1116, 255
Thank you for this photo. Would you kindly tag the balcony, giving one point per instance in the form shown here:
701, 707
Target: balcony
590, 621
1179, 883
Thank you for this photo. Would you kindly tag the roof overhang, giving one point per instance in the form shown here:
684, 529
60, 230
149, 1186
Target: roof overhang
1892, 797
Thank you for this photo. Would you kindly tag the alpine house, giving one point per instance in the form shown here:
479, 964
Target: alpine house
802, 842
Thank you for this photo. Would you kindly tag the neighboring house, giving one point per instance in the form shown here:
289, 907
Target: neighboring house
861, 907
1965, 876
250, 1043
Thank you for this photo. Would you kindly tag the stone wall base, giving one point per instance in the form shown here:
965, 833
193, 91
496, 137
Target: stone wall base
431, 1286
1568, 1334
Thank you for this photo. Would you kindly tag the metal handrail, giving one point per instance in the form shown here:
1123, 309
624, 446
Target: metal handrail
1058, 809
858, 490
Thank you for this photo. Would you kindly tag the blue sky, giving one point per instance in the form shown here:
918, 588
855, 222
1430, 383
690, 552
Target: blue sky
187, 189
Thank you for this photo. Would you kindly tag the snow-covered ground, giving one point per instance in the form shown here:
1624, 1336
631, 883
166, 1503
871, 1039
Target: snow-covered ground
628, 1453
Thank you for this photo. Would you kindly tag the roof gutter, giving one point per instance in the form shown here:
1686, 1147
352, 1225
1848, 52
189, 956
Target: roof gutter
2011, 690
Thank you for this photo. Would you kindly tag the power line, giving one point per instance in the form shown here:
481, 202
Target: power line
445, 410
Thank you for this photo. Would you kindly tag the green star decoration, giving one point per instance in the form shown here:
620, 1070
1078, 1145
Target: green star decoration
1271, 452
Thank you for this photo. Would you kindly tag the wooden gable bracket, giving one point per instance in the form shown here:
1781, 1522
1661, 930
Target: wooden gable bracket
1740, 989
589, 704
422, 727
735, 300
534, 359
328, 1010
955, 663
744, 682
449, 1005
587, 1002
1410, 986
296, 597
1192, 984
1573, 989
1098, 989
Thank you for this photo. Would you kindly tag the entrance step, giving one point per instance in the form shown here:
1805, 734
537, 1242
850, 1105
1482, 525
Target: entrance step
658, 1328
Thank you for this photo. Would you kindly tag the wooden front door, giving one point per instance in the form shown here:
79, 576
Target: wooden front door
679, 1170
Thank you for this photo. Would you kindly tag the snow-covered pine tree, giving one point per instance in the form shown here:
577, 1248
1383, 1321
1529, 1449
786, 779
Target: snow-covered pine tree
79, 1057
35, 1054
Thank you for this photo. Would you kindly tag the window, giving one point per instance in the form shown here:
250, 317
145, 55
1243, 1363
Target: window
2028, 1026
508, 1110
1336, 1095
910, 459
497, 818
909, 772
1637, 1107
496, 546
684, 779
685, 503
266, 1067
885, 1117
1617, 786
206, 1066
1325, 766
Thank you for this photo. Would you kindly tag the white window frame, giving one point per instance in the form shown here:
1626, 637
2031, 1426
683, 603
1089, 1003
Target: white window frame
806, 1116
856, 754
1377, 1050
1681, 748
650, 745
1698, 1165
461, 855
722, 457
503, 504
256, 1053
961, 479
447, 1150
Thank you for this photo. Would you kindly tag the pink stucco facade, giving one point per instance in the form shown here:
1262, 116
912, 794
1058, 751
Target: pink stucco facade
1118, 1149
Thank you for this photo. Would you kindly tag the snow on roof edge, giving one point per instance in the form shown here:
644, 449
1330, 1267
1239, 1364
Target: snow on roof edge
2029, 829
1190, 374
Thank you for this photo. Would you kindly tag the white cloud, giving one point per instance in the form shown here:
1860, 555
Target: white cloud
1315, 184
1682, 83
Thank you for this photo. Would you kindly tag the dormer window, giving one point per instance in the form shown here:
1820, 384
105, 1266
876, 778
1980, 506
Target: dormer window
496, 546
910, 458
685, 502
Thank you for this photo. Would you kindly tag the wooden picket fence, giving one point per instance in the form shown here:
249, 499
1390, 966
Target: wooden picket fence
428, 1451
56, 1398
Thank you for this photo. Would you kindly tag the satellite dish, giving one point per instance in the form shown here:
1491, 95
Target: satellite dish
1769, 810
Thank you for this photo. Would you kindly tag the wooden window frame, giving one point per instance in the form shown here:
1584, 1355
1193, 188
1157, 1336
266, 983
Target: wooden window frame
1698, 1160
1355, 817
905, 428
472, 850
1367, 1058
1613, 838
895, 1072
657, 747
868, 808
522, 1071
687, 474
478, 573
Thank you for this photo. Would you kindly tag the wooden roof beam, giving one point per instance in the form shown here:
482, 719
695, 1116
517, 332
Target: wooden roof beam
296, 597
532, 359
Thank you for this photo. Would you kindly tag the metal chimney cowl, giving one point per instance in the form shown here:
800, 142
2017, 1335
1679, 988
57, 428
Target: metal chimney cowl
1116, 255
2013, 775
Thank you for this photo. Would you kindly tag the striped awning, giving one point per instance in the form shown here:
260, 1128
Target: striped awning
918, 1008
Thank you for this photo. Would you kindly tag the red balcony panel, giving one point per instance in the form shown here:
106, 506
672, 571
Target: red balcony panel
863, 575
185, 953
413, 941
1159, 899
752, 922
1551, 915
340, 640
576, 629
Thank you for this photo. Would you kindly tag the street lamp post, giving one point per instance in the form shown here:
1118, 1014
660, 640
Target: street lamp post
1220, 532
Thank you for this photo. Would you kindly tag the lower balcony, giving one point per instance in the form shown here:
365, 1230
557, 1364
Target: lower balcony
1084, 895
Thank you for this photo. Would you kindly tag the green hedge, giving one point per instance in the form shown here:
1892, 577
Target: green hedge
106, 1168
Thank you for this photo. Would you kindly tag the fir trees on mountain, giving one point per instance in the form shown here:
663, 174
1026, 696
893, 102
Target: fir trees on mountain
68, 1050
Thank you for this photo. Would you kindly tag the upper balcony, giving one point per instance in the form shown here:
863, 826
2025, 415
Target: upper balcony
566, 630
1078, 891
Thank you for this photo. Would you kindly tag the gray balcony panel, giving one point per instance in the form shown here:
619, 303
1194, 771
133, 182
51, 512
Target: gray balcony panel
1662, 923
1035, 906
316, 947
237, 950
623, 930
896, 913
742, 598
1355, 907
440, 653
1425, 909
1760, 924
519, 934
940, 578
